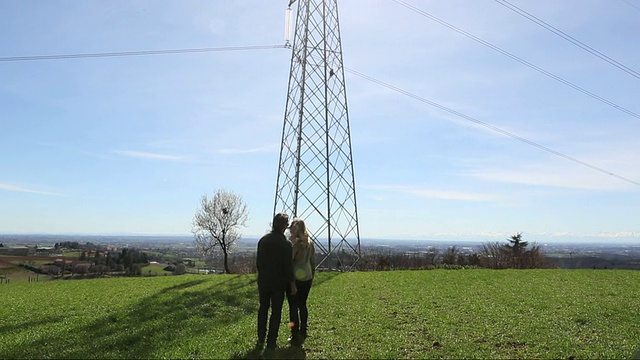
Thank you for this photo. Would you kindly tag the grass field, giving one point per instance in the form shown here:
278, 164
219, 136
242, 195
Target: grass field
551, 314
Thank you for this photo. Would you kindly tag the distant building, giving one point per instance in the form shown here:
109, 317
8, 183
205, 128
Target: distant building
45, 250
59, 262
16, 250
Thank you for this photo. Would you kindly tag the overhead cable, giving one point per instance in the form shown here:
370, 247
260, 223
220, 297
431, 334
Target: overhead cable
492, 127
137, 53
569, 38
631, 4
520, 60
366, 77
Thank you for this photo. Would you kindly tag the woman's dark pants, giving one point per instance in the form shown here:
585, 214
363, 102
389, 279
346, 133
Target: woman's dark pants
298, 312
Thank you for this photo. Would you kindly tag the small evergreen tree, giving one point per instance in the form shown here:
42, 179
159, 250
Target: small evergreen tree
516, 248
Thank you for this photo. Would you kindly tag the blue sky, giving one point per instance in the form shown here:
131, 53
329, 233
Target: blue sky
129, 144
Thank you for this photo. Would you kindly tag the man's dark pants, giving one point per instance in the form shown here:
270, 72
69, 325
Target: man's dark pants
273, 299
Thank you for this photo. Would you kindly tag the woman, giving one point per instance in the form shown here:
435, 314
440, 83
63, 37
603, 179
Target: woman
304, 268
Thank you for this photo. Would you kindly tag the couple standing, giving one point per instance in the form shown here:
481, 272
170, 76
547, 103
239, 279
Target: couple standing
284, 266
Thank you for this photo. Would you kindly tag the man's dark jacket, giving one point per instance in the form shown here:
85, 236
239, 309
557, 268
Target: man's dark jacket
274, 262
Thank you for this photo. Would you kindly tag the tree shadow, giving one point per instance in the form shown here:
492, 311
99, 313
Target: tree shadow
165, 317
49, 320
154, 323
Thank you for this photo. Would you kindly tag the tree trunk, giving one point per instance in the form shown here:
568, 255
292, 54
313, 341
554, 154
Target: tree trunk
226, 261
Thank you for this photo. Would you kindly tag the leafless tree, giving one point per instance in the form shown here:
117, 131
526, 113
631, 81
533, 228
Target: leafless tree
217, 222
451, 255
493, 256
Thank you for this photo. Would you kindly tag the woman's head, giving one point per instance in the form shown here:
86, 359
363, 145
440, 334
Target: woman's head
298, 231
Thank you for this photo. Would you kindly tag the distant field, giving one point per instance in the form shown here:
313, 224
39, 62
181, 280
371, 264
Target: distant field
551, 314
72, 253
15, 260
5, 263
155, 270
9, 267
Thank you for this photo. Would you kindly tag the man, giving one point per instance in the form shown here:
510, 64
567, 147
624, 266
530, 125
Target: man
275, 272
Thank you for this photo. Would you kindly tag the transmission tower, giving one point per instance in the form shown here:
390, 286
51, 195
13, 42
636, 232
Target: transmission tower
315, 174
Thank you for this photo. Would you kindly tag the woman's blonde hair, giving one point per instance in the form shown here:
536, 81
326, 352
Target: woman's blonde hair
298, 233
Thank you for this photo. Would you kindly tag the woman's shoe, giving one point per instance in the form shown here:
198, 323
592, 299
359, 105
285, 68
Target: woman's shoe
294, 339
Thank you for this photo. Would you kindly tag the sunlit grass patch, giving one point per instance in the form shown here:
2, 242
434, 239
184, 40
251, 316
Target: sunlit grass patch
479, 313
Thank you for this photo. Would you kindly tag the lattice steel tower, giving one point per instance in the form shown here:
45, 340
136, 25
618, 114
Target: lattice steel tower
315, 175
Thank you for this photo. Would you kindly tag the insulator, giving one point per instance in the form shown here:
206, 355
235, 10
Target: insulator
288, 25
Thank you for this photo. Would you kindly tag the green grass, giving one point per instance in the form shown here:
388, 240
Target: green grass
155, 270
70, 254
403, 314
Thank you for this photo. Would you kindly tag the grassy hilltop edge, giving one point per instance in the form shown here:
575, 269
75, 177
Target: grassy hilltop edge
399, 314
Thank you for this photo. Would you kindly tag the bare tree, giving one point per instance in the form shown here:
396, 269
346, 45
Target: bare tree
493, 256
216, 223
451, 255
432, 255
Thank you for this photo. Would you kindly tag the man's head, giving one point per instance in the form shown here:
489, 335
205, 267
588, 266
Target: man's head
280, 223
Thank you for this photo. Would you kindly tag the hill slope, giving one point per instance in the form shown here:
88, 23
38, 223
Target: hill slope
402, 314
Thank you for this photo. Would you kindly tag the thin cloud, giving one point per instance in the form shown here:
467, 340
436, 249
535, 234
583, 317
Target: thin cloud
14, 188
551, 177
616, 235
477, 235
567, 235
236, 151
438, 194
152, 156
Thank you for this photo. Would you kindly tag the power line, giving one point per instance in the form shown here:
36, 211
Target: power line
520, 60
138, 53
569, 38
366, 77
632, 5
492, 127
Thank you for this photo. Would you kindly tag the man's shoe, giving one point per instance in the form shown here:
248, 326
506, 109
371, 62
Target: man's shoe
270, 351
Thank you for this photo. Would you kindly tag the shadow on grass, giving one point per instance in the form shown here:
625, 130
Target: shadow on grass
324, 276
158, 323
50, 320
289, 352
155, 321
